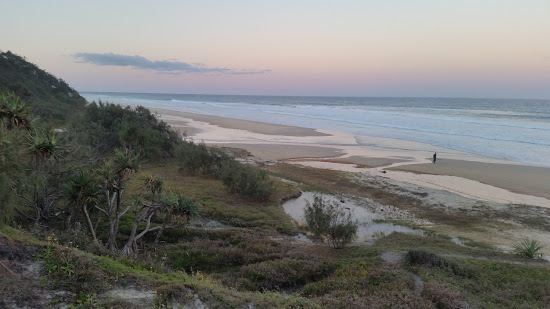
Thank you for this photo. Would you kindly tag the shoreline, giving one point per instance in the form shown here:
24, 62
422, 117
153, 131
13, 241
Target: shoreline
528, 180
458, 172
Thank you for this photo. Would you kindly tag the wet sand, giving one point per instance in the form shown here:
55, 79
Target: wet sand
238, 124
529, 180
474, 176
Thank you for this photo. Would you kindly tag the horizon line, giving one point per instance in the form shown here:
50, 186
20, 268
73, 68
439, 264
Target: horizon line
319, 96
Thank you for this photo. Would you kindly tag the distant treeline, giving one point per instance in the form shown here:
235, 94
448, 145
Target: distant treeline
50, 97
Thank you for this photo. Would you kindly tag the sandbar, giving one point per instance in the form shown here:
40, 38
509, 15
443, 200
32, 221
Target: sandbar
239, 124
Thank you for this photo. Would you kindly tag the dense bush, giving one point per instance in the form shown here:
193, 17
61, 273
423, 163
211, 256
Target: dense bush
197, 158
14, 156
421, 257
246, 180
13, 166
105, 126
330, 221
32, 163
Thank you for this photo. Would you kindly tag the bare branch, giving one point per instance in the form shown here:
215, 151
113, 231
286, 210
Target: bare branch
112, 199
150, 215
103, 211
125, 210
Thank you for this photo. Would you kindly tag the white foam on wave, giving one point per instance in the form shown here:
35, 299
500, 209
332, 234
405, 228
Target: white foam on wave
523, 140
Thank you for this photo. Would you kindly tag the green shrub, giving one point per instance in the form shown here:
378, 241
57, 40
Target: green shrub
246, 180
274, 275
529, 248
331, 221
199, 159
105, 126
421, 257
238, 178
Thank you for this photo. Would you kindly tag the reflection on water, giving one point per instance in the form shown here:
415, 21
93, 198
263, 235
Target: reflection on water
365, 214
368, 233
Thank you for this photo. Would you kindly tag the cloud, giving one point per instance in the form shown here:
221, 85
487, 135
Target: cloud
164, 66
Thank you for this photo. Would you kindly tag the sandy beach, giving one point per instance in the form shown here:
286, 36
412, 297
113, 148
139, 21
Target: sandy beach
528, 180
461, 173
229, 123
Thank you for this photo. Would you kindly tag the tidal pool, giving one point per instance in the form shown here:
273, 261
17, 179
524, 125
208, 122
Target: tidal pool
365, 212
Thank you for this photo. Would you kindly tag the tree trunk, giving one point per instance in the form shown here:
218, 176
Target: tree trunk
129, 248
90, 226
146, 215
161, 230
111, 242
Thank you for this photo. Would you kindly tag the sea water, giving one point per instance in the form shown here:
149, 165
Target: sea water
516, 130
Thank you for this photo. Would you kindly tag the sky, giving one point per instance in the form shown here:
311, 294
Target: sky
482, 48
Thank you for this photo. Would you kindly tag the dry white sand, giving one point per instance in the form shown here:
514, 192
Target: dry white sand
465, 174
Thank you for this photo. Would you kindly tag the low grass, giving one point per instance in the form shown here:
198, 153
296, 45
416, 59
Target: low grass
70, 269
216, 203
494, 285
237, 267
254, 263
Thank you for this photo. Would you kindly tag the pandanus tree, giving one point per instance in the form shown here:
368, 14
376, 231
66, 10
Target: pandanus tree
43, 145
114, 174
82, 192
175, 209
15, 110
154, 184
45, 153
13, 169
39, 148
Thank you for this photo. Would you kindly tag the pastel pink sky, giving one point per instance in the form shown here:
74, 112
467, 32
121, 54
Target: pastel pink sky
356, 48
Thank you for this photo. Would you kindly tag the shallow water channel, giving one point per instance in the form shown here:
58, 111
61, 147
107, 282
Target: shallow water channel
368, 229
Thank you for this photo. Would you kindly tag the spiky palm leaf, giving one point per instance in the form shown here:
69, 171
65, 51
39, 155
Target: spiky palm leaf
153, 183
125, 162
43, 145
529, 248
16, 111
83, 188
186, 207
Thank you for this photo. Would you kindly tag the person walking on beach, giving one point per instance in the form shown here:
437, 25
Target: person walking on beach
434, 157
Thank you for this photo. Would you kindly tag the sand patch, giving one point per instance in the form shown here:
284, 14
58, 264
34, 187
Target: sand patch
240, 124
523, 179
282, 152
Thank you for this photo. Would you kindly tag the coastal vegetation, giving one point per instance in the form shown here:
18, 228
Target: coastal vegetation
529, 248
330, 221
104, 206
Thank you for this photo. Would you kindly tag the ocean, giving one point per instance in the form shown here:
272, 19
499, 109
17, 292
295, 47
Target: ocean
509, 129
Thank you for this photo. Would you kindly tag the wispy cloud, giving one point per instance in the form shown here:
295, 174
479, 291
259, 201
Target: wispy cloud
164, 66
